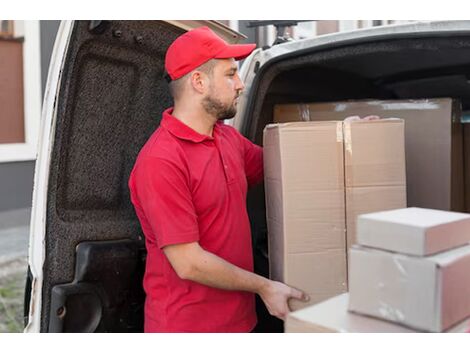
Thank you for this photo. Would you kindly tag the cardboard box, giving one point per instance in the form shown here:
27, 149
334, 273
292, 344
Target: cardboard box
332, 316
425, 293
318, 177
414, 231
304, 182
433, 143
375, 176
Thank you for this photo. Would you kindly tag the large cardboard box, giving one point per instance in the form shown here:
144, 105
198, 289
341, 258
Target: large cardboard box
433, 143
426, 293
318, 177
414, 231
304, 181
375, 176
332, 316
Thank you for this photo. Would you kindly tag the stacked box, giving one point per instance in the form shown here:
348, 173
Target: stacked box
412, 267
414, 231
375, 176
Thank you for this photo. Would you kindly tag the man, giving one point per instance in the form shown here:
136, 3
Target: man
189, 187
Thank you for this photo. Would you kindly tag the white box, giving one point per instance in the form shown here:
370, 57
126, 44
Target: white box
332, 316
414, 231
426, 293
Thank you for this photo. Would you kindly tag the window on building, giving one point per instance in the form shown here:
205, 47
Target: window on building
6, 29
20, 89
12, 126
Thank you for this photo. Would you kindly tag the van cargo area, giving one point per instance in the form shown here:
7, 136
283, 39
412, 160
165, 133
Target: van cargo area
388, 68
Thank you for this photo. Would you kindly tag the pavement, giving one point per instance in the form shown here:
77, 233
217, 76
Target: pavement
14, 238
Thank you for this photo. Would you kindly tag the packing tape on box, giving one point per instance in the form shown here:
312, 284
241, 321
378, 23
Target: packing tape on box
347, 137
419, 105
339, 132
304, 112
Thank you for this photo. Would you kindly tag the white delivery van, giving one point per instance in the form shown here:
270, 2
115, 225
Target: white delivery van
105, 95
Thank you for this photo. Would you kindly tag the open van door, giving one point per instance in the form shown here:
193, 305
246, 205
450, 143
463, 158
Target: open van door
104, 98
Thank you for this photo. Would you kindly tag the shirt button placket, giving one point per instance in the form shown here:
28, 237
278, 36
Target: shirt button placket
222, 159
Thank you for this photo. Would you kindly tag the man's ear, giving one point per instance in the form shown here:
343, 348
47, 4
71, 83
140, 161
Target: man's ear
198, 81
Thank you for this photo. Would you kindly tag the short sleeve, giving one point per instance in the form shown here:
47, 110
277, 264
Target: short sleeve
164, 196
253, 155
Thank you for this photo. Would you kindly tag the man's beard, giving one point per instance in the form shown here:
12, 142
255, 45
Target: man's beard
216, 108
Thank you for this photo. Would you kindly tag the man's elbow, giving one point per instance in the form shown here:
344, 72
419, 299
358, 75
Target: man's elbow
183, 259
185, 272
186, 269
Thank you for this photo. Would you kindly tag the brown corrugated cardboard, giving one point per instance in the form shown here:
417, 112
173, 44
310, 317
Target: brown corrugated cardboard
374, 153
375, 177
332, 316
414, 231
426, 293
304, 181
433, 135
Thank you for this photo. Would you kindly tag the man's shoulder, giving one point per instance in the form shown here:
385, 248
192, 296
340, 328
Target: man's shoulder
161, 144
161, 149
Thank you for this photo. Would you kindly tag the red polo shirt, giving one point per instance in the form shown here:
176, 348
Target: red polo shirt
189, 187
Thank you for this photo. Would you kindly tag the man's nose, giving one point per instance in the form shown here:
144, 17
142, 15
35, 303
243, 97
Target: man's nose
240, 86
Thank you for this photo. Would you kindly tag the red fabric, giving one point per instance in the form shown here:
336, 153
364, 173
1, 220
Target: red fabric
188, 187
198, 46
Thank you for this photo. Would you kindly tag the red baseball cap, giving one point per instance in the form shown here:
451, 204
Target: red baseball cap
195, 47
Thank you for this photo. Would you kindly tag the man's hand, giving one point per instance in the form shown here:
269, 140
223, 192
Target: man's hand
275, 296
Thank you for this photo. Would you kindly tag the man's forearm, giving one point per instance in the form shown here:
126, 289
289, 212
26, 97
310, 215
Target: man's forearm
211, 270
191, 262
